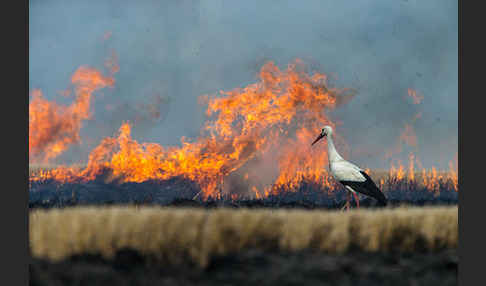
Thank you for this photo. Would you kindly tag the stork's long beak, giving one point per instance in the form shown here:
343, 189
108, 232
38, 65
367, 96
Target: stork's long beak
318, 138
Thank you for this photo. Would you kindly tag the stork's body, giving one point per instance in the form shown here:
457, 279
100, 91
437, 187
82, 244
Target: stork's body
351, 176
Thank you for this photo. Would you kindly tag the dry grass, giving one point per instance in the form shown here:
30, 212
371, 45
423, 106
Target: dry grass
177, 235
36, 168
384, 174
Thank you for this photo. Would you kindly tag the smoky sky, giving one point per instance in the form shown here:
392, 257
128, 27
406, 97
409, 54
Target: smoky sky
179, 50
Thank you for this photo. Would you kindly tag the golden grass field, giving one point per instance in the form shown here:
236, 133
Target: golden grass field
176, 235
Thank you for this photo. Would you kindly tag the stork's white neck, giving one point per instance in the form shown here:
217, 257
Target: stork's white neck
332, 152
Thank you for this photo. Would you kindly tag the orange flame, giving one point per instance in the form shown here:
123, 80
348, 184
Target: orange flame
415, 97
281, 115
453, 173
53, 127
431, 180
299, 162
247, 122
411, 172
397, 174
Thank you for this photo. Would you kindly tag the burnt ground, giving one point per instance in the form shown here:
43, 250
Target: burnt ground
182, 192
255, 268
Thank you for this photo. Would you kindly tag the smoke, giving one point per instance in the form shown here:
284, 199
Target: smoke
180, 50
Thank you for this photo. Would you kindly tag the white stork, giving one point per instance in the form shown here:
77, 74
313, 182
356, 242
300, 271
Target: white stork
351, 176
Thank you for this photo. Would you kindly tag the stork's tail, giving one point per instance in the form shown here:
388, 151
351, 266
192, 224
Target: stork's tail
380, 197
374, 191
382, 201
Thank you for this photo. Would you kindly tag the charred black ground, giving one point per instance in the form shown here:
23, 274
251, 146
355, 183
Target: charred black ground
183, 192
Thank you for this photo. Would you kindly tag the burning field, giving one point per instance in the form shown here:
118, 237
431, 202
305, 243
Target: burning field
254, 146
170, 143
253, 153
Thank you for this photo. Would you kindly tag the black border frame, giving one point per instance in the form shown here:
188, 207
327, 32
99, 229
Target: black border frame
14, 201
471, 199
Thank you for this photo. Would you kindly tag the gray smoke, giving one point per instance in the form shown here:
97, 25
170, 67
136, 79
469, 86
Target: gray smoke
182, 49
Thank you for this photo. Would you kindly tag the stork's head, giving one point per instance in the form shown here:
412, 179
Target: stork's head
327, 130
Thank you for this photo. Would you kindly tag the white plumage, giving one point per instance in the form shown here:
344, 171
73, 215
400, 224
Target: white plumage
351, 176
346, 171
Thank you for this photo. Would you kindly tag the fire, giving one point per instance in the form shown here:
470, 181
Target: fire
284, 108
432, 180
257, 193
397, 173
298, 163
415, 97
54, 127
453, 175
276, 117
411, 171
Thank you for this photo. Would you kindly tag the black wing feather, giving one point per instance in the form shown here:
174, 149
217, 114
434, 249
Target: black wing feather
368, 188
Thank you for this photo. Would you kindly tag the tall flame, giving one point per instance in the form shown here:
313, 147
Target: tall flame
276, 117
284, 108
53, 127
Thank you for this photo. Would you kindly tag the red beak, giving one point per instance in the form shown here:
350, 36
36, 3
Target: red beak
318, 138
